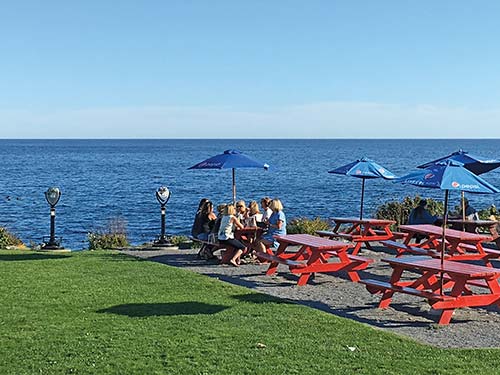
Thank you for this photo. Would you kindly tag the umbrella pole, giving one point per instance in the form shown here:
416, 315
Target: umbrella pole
362, 199
463, 210
234, 187
443, 240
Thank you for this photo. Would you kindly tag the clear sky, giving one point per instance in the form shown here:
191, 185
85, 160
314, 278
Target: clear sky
245, 69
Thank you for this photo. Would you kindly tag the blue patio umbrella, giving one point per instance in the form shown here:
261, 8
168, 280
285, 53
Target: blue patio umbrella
449, 176
364, 168
476, 164
232, 159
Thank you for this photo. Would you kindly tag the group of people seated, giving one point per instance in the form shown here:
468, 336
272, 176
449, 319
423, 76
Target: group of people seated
220, 229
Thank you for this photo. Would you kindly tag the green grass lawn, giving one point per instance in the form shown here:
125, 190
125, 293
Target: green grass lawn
106, 313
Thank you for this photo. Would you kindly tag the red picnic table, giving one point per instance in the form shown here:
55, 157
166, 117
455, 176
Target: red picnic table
474, 225
361, 231
248, 236
459, 245
457, 277
315, 255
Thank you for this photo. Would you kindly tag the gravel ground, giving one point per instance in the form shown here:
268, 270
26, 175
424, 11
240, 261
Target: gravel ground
408, 315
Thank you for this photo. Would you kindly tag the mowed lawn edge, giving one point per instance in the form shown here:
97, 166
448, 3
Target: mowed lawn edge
102, 312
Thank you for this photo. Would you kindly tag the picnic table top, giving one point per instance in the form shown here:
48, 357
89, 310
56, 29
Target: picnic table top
430, 229
316, 242
449, 266
357, 220
477, 223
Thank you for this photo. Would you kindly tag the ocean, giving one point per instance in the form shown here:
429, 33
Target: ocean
104, 180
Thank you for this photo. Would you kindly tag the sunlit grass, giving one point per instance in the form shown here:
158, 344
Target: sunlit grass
106, 313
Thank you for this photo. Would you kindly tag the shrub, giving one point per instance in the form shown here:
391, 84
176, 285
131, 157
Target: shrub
114, 236
399, 211
8, 239
307, 226
176, 240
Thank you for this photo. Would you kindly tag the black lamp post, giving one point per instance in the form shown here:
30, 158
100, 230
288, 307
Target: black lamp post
162, 195
52, 195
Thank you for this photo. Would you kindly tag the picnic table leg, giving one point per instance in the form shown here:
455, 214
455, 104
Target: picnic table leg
456, 291
274, 265
304, 277
344, 259
356, 249
446, 316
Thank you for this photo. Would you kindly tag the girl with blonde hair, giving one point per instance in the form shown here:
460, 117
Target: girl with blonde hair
228, 224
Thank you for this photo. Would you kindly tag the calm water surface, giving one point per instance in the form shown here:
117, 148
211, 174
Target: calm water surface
105, 179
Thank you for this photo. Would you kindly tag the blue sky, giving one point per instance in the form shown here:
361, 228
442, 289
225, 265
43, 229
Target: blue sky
308, 69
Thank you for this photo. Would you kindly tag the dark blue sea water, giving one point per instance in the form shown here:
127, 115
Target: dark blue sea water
105, 179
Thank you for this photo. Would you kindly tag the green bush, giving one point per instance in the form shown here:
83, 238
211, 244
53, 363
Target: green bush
399, 211
8, 239
307, 226
176, 240
113, 237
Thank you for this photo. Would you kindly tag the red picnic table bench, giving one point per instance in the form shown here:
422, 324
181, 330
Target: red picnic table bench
361, 231
456, 292
315, 255
459, 245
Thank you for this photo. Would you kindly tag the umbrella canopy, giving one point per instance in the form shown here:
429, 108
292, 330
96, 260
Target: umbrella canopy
232, 159
475, 164
364, 168
449, 176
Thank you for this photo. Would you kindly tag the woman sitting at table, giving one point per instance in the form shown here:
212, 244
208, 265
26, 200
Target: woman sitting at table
228, 224
266, 211
241, 211
277, 227
254, 215
420, 215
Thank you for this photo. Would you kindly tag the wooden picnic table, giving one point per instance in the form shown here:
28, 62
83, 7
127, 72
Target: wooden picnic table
248, 236
474, 225
361, 231
314, 255
459, 245
458, 278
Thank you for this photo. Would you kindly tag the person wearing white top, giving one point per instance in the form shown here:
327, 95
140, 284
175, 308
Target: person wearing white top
228, 224
254, 215
266, 210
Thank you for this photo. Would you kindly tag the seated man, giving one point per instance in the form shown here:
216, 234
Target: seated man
420, 215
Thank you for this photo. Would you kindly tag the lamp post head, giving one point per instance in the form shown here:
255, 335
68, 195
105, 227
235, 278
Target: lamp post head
163, 195
52, 195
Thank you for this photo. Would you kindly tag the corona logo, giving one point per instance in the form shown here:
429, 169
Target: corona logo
358, 171
428, 176
455, 184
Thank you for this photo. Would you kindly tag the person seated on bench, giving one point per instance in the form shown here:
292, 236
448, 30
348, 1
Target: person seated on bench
203, 224
215, 229
203, 221
420, 215
228, 224
254, 215
277, 227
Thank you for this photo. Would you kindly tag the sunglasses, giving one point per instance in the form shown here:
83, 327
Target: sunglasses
239, 206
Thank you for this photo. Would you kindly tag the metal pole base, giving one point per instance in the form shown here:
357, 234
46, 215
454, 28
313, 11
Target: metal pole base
50, 246
162, 242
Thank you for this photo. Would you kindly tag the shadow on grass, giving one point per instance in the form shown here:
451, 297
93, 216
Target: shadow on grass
260, 298
115, 256
31, 256
141, 310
